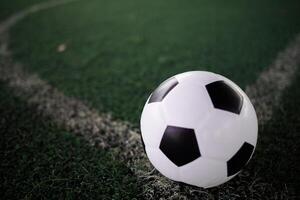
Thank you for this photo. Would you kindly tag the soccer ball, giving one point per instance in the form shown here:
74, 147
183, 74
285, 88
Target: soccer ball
199, 128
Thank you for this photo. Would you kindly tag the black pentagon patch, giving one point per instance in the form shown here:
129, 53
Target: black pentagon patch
224, 97
162, 90
180, 145
239, 159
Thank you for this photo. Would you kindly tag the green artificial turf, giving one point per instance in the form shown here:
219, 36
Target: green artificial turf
118, 51
277, 158
275, 168
41, 161
8, 7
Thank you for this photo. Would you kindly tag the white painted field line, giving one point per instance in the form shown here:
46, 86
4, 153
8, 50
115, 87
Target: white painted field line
266, 92
5, 25
100, 130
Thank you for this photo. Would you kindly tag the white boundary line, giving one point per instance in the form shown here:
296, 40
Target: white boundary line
12, 20
266, 92
100, 130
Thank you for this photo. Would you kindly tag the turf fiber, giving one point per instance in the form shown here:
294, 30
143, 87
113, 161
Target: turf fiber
42, 161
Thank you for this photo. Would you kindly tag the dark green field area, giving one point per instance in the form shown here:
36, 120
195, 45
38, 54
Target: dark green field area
117, 51
8, 7
40, 161
276, 164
